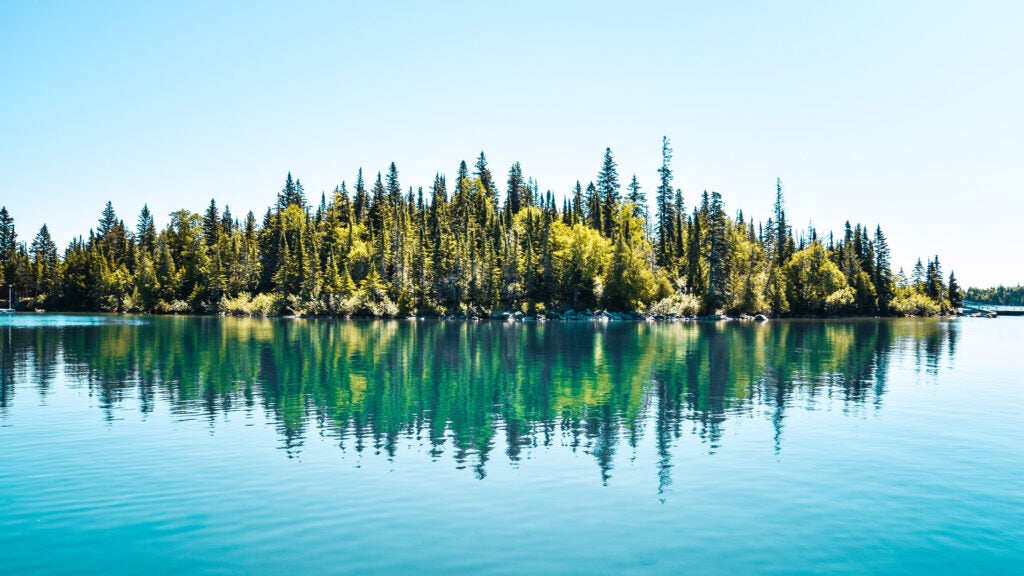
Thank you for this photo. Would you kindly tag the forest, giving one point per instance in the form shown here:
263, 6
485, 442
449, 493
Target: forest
466, 249
998, 295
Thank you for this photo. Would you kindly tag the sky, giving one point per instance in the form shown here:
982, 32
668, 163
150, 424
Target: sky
907, 115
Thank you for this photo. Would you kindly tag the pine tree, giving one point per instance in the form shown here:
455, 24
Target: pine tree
782, 242
719, 261
291, 194
361, 202
8, 247
595, 210
486, 179
956, 294
577, 204
145, 232
45, 265
513, 192
107, 221
211, 224
667, 217
638, 199
608, 189
883, 277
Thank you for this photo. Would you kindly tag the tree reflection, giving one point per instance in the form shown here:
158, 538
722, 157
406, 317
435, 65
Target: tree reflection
465, 390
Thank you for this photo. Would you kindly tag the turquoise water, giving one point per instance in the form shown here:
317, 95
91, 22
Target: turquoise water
174, 445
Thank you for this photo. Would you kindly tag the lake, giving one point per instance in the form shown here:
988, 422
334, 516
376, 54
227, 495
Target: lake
205, 445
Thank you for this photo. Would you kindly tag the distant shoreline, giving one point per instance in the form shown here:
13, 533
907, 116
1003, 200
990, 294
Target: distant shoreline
601, 316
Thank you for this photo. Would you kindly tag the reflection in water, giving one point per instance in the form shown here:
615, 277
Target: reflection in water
465, 387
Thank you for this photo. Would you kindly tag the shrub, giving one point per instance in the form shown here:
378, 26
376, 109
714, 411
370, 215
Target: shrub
678, 305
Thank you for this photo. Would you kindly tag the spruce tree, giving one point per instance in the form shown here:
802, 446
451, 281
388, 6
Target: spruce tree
145, 231
486, 179
956, 295
667, 216
107, 221
782, 243
8, 247
211, 224
638, 199
608, 189
361, 202
882, 276
513, 193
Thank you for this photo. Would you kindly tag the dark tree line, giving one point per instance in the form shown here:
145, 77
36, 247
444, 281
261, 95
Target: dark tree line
465, 246
998, 295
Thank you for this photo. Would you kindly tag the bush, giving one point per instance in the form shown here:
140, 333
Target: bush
678, 305
245, 305
909, 303
840, 301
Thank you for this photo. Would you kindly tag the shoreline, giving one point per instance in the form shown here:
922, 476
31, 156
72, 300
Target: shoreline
600, 316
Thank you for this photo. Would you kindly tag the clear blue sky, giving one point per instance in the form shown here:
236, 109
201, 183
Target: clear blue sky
909, 115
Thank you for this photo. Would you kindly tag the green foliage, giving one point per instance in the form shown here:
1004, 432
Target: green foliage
630, 282
812, 282
909, 302
998, 295
677, 305
385, 252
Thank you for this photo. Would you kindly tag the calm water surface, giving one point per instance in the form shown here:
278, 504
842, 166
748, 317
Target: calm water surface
274, 446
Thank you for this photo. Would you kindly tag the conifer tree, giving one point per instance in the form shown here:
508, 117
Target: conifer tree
578, 214
486, 179
361, 202
8, 247
883, 277
107, 221
782, 242
667, 217
608, 190
514, 192
145, 232
638, 199
211, 224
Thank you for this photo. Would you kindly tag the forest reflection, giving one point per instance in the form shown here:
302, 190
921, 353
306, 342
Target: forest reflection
471, 389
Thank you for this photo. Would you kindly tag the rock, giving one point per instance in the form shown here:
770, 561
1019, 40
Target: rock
760, 318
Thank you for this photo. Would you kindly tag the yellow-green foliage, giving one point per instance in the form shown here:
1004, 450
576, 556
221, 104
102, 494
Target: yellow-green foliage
580, 256
812, 279
677, 304
630, 283
909, 302
245, 304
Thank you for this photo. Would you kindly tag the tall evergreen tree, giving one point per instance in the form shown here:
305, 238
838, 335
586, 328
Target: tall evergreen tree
782, 243
291, 194
8, 247
608, 189
211, 224
882, 277
145, 231
514, 192
638, 199
667, 217
719, 261
486, 179
361, 202
107, 221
